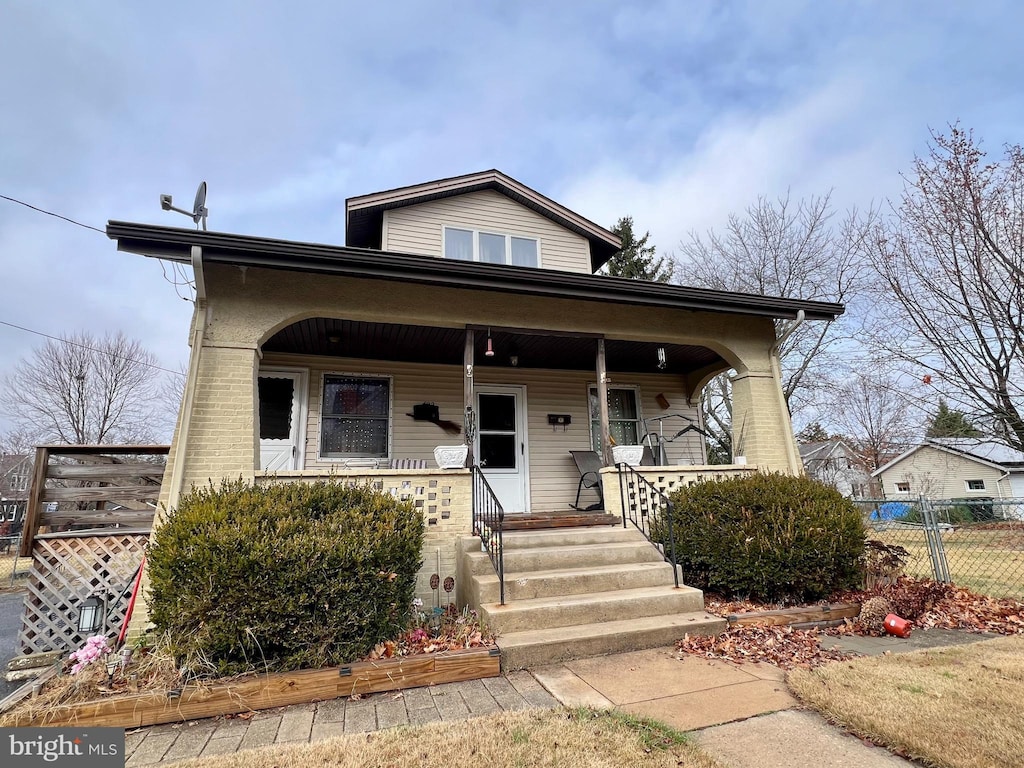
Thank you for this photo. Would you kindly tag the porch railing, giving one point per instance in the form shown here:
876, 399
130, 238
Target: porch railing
488, 521
650, 511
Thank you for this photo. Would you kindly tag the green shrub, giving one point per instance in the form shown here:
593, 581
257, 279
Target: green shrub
283, 577
768, 537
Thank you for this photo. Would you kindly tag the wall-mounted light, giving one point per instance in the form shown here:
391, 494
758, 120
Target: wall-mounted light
662, 361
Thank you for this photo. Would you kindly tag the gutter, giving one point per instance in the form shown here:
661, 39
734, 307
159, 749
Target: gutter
185, 422
787, 422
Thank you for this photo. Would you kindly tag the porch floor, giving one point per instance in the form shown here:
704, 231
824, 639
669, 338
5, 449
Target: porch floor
530, 521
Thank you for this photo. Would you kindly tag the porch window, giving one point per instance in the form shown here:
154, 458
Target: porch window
490, 247
355, 416
623, 417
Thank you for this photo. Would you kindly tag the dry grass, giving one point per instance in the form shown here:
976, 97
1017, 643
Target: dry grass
534, 739
952, 707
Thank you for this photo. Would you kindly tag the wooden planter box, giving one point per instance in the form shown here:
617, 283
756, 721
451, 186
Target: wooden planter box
276, 690
807, 617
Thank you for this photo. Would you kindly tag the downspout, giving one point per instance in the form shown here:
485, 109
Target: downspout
198, 331
794, 461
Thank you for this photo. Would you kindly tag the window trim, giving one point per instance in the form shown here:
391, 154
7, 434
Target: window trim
967, 485
635, 388
476, 232
896, 485
320, 416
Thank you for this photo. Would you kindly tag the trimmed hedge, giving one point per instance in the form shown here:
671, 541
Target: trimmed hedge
282, 577
768, 537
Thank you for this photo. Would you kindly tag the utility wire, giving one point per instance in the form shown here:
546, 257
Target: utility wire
91, 349
51, 213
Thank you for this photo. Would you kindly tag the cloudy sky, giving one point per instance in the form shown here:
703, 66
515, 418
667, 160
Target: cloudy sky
676, 113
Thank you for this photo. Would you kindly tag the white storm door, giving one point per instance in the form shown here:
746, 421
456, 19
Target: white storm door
501, 444
282, 404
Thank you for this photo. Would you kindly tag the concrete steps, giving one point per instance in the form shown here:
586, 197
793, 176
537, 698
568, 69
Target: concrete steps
578, 592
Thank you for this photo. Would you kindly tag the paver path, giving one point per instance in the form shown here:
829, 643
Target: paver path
165, 744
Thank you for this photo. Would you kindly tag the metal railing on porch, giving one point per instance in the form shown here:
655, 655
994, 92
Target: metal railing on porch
488, 522
650, 512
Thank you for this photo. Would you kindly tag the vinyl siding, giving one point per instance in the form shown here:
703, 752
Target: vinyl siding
418, 228
941, 475
553, 475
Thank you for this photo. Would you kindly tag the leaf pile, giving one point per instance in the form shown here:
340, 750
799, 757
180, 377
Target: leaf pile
784, 646
444, 629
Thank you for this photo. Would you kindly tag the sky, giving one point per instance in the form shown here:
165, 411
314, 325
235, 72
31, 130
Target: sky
676, 113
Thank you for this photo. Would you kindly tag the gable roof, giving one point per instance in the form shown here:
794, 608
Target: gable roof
175, 244
822, 450
364, 214
985, 452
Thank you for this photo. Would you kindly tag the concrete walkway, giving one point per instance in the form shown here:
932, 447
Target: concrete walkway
743, 715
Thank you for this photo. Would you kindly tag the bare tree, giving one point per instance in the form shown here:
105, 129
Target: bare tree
789, 249
951, 264
87, 390
877, 416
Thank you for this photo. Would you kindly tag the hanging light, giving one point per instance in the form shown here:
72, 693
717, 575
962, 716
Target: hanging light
90, 614
490, 345
662, 362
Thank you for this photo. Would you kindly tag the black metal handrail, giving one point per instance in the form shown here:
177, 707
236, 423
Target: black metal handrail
488, 522
649, 510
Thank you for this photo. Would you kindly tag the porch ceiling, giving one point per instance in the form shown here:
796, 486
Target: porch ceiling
425, 344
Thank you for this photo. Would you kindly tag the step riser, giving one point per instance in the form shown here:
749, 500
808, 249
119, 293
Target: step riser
570, 537
522, 561
510, 618
515, 657
523, 586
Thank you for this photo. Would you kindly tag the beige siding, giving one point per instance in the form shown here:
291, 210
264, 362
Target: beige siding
418, 228
939, 474
553, 475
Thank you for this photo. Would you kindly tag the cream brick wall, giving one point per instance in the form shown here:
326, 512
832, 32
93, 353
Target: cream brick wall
761, 429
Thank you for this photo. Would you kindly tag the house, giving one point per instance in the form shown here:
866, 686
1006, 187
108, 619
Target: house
954, 467
15, 476
465, 305
835, 463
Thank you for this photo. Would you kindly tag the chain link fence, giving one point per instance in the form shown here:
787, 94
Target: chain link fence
11, 566
976, 543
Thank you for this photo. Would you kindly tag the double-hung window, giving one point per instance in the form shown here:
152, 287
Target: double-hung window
490, 247
355, 416
623, 417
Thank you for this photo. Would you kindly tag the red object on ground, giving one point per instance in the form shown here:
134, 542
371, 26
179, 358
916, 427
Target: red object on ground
131, 603
894, 625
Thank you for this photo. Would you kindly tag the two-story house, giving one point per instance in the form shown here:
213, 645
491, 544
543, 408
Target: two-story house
459, 311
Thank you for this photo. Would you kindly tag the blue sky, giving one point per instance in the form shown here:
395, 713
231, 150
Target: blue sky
676, 113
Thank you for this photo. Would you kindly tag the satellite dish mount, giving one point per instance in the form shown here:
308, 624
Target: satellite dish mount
199, 210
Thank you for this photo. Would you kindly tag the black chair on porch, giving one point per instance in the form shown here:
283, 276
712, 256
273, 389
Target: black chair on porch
589, 465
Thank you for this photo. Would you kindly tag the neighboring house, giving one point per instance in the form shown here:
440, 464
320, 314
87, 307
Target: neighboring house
954, 468
467, 304
15, 477
835, 463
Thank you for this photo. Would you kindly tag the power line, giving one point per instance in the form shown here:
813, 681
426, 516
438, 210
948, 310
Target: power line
51, 213
91, 349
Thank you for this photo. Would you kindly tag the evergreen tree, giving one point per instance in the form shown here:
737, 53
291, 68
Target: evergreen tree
813, 433
948, 422
637, 260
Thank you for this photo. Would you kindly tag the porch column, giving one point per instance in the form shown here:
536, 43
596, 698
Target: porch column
469, 415
602, 399
761, 428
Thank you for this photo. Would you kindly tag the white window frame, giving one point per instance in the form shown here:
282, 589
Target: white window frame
320, 416
635, 388
476, 242
897, 485
967, 485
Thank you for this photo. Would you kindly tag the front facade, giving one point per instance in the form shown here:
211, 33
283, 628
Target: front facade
947, 468
460, 312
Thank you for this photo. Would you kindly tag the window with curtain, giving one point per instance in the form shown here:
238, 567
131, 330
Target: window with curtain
623, 417
490, 247
356, 415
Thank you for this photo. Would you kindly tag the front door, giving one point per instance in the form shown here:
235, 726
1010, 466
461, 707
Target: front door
282, 397
501, 444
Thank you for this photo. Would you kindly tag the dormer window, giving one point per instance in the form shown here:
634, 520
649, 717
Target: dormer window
490, 247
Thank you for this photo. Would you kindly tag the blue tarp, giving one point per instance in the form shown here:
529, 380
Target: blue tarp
891, 510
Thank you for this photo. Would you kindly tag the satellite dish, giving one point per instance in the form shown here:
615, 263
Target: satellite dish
199, 210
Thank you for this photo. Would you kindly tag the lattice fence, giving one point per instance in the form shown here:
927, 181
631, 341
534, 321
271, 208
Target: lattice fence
66, 569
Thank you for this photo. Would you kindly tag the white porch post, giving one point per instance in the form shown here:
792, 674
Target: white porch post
602, 398
467, 389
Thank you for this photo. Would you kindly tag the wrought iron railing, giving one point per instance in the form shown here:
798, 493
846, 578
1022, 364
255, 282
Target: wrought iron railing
488, 521
650, 511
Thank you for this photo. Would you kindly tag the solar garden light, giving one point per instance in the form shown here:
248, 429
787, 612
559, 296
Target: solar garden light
91, 614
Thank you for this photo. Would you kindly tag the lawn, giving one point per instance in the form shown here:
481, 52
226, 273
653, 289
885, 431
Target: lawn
953, 707
989, 561
534, 739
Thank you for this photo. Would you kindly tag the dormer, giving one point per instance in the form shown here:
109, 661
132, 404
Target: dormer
487, 217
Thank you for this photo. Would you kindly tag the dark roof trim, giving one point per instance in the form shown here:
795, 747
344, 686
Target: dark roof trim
174, 244
363, 213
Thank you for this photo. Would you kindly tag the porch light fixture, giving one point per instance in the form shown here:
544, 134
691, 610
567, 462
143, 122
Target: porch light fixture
490, 345
662, 361
91, 614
